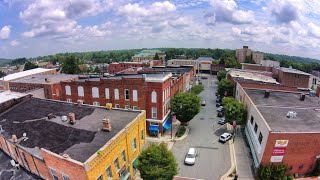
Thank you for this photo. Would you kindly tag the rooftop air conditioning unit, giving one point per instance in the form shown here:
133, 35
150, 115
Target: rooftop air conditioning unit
291, 114
64, 118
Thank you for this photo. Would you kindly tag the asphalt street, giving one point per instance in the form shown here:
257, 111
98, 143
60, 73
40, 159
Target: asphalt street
213, 158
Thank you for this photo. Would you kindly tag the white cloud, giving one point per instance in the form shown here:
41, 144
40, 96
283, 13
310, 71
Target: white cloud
14, 43
314, 30
5, 32
156, 8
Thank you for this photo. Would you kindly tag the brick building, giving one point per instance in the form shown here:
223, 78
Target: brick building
117, 67
282, 128
215, 68
58, 140
291, 77
150, 92
4, 82
50, 84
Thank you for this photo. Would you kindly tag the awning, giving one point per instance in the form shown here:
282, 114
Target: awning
135, 163
154, 128
167, 124
126, 176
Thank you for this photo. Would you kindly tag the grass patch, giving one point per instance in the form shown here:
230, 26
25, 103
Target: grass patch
181, 131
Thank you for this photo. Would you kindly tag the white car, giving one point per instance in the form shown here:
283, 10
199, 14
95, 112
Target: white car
222, 121
191, 156
225, 137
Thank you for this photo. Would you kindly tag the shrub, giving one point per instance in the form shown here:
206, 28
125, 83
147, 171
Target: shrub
197, 89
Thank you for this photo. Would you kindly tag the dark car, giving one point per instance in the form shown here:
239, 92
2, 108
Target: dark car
221, 109
220, 114
218, 105
218, 100
204, 77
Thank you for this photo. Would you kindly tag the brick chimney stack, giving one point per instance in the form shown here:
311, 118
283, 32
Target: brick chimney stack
106, 124
72, 118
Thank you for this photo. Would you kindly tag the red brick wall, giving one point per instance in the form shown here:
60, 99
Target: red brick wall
293, 80
114, 68
268, 86
63, 165
256, 67
302, 149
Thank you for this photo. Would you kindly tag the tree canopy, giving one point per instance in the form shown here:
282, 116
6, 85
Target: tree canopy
221, 75
197, 89
29, 65
156, 57
234, 111
185, 106
2, 74
225, 85
273, 172
157, 162
70, 65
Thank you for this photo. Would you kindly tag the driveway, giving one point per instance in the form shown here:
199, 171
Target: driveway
214, 158
8, 172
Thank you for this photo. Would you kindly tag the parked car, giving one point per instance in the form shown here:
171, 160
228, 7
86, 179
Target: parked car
218, 105
222, 121
225, 137
217, 93
221, 109
218, 100
203, 102
220, 114
190, 157
216, 82
204, 77
200, 82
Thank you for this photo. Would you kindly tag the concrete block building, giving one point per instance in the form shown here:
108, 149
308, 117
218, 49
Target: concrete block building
59, 140
282, 127
150, 92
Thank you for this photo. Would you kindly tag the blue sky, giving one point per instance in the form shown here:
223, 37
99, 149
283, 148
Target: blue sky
31, 28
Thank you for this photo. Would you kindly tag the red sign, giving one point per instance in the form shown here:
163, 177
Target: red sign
278, 151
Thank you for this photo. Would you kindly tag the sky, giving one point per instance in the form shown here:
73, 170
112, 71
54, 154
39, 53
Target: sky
31, 28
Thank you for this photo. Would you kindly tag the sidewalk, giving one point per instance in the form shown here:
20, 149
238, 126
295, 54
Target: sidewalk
243, 157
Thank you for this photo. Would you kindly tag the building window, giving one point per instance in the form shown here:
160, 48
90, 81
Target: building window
100, 177
107, 93
80, 91
154, 96
154, 124
54, 174
116, 164
126, 94
95, 92
109, 172
135, 95
116, 94
142, 134
135, 108
251, 120
154, 112
255, 127
124, 158
117, 106
69, 100
65, 177
68, 90
260, 137
96, 103
127, 107
134, 144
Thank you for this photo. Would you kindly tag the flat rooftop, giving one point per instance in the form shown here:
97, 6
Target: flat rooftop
9, 95
79, 141
46, 79
25, 73
275, 108
294, 71
253, 75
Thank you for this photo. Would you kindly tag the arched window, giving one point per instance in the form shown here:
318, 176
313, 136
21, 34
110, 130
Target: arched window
154, 96
68, 90
80, 91
95, 92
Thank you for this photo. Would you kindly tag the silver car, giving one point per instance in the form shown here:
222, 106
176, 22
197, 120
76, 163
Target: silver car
190, 157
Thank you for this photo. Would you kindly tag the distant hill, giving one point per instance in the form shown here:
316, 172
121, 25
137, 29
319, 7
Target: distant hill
280, 57
4, 61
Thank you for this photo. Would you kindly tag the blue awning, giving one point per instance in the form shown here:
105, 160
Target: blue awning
167, 124
154, 128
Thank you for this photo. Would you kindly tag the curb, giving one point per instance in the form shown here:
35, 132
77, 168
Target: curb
233, 159
184, 136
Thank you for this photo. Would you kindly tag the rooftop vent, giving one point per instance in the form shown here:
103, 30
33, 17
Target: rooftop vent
266, 93
51, 115
292, 114
72, 118
64, 118
144, 76
109, 106
302, 97
106, 124
66, 156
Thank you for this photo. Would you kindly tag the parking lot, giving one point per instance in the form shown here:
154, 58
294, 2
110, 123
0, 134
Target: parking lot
213, 158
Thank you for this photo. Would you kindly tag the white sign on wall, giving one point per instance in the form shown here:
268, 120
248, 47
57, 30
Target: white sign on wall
281, 143
276, 158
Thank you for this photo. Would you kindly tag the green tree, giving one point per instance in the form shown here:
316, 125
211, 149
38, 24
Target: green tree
70, 65
221, 75
29, 65
97, 70
156, 57
225, 85
185, 106
197, 89
157, 162
316, 170
2, 74
234, 110
273, 172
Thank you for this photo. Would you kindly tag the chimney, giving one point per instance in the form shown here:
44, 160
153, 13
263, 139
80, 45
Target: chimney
106, 124
72, 118
266, 93
302, 97
109, 106
79, 103
14, 138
